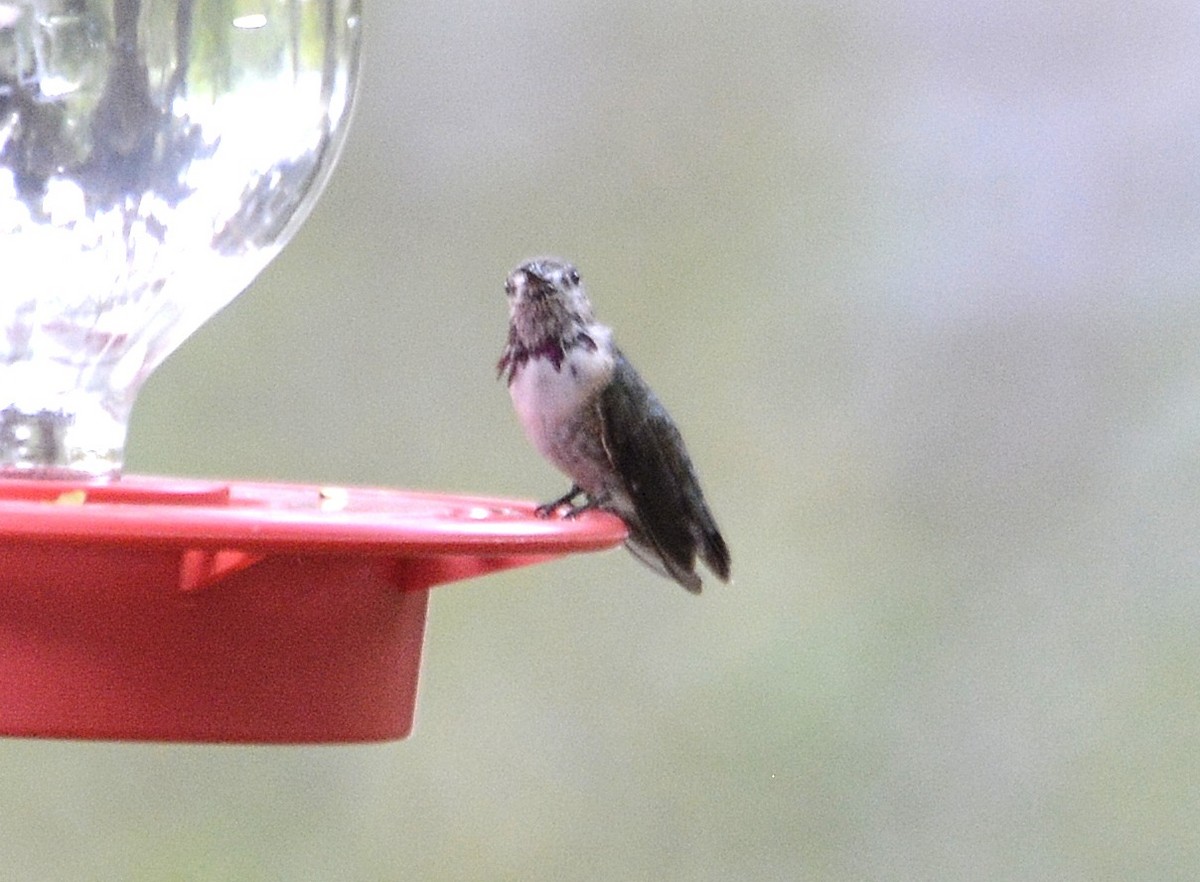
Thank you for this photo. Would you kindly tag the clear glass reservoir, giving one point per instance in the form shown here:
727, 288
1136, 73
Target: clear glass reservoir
154, 156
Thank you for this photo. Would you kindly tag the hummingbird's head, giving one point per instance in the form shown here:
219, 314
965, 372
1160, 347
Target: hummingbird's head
546, 301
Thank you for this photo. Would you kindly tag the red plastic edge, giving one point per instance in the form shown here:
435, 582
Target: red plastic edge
255, 516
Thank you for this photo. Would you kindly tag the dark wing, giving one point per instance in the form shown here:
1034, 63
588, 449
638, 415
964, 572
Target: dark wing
673, 523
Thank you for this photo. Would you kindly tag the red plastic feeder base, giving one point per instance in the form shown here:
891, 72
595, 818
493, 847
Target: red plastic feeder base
161, 609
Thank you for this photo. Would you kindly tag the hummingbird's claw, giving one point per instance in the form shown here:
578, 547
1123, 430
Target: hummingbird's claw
548, 508
591, 502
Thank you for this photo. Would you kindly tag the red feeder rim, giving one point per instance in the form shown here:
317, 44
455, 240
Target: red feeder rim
191, 610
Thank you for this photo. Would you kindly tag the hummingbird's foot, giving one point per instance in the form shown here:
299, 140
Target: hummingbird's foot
549, 508
590, 503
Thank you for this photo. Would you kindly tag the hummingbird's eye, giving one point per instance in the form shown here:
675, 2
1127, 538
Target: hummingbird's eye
573, 276
509, 289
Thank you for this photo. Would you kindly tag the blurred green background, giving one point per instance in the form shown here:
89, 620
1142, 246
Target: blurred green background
919, 284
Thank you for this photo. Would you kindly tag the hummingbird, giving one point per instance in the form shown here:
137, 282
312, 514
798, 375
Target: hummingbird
587, 411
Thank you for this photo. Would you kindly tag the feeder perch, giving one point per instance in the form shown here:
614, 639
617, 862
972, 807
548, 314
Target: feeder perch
154, 156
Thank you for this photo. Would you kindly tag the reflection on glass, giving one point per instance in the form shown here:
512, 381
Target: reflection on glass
154, 155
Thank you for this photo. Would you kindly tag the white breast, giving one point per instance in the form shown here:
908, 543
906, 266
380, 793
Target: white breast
548, 401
